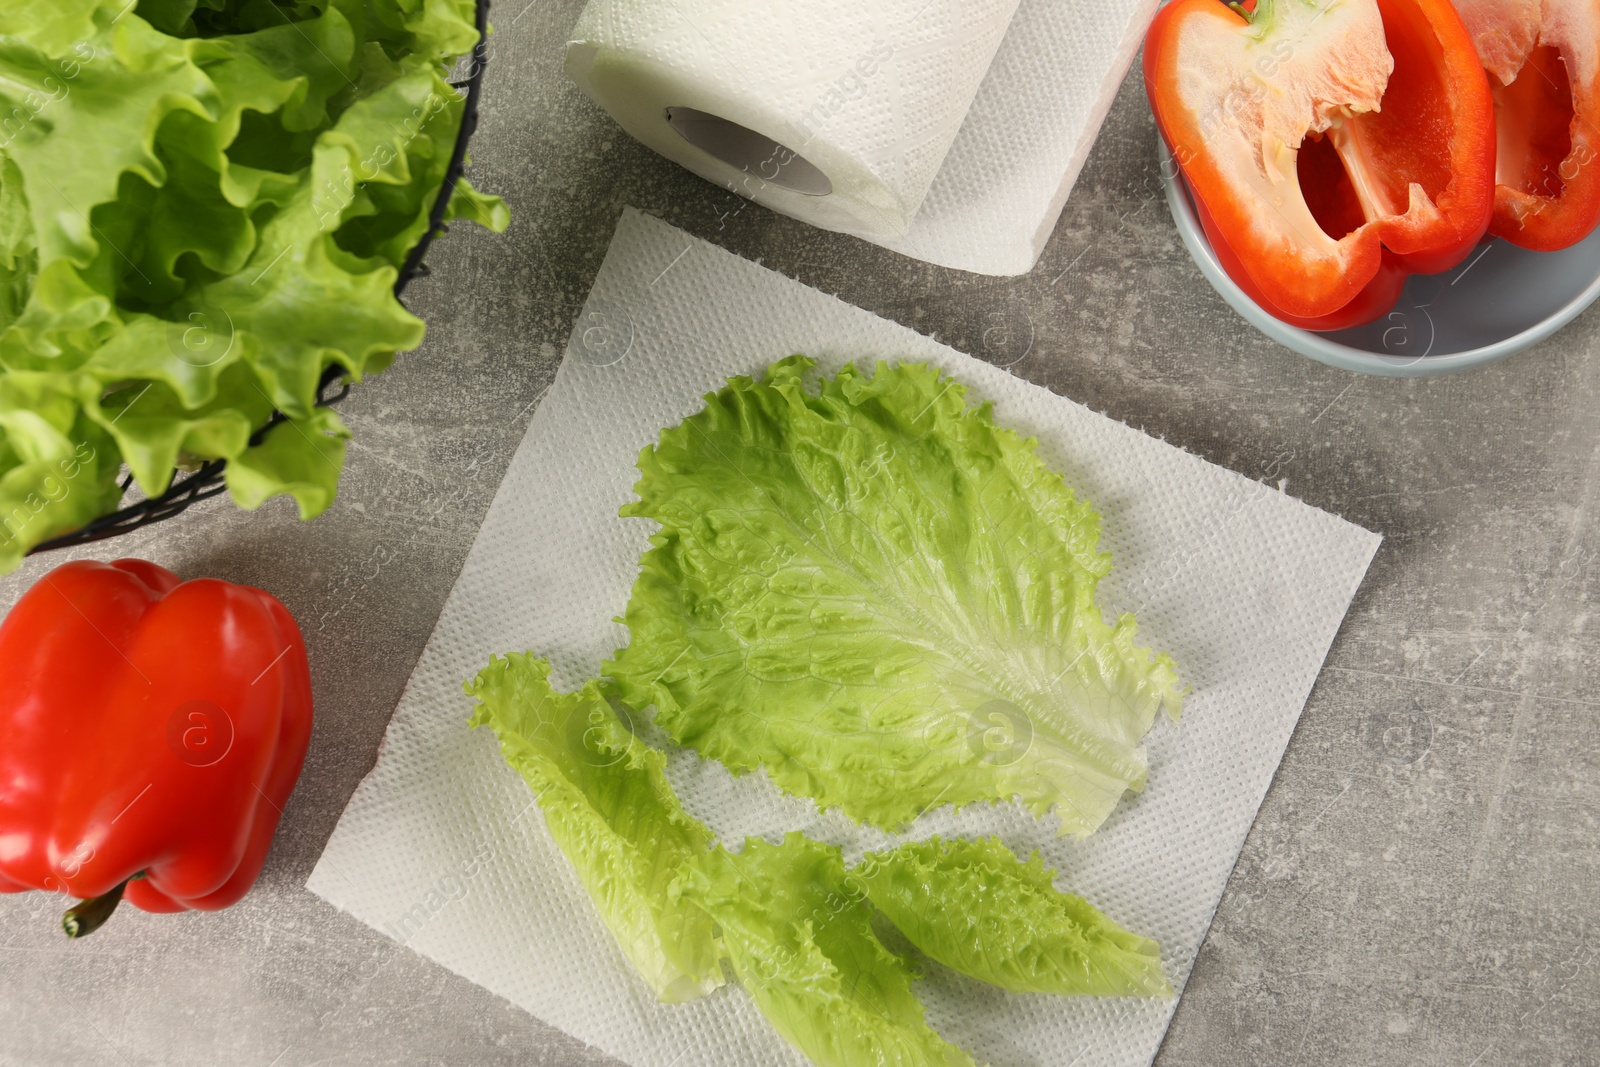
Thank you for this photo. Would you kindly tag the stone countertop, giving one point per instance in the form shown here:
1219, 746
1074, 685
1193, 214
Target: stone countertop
1420, 884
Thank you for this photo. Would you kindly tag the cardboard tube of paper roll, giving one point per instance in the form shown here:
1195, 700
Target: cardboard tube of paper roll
835, 112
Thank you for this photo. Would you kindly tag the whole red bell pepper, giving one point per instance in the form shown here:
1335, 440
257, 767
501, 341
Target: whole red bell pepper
151, 730
1331, 146
1543, 57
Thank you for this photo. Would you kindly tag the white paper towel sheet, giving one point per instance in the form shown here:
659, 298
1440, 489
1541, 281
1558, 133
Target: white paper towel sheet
1014, 151
442, 849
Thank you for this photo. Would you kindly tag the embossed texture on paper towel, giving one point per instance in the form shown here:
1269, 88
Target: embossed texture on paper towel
1243, 585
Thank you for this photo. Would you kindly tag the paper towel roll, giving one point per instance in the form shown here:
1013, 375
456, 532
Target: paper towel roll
836, 112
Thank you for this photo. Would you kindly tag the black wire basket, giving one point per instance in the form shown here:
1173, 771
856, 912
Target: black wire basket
206, 480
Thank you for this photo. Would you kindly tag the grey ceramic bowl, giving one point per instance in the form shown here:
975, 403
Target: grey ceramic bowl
1501, 300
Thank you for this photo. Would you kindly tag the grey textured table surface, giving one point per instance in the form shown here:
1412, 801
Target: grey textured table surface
1421, 885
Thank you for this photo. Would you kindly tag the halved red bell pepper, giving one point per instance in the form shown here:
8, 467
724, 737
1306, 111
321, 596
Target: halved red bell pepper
1331, 146
151, 731
1543, 57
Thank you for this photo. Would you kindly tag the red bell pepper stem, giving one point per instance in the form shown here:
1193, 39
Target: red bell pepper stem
87, 916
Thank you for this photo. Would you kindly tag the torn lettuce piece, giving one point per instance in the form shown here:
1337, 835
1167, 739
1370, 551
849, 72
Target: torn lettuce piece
978, 909
608, 805
886, 600
801, 941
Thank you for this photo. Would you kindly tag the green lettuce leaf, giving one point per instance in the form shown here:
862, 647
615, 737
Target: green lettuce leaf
57, 469
800, 939
203, 207
976, 908
607, 803
885, 600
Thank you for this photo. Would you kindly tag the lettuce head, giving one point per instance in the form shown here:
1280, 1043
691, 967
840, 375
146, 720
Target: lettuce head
203, 205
